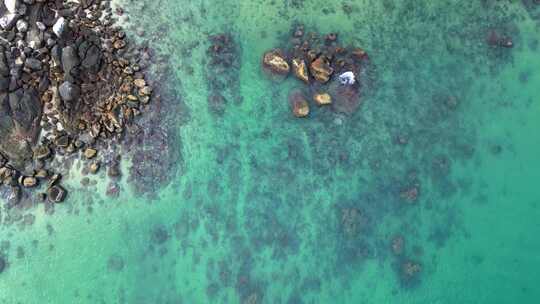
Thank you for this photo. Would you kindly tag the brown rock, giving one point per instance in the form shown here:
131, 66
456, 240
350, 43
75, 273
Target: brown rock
299, 104
275, 61
322, 99
321, 69
300, 69
90, 153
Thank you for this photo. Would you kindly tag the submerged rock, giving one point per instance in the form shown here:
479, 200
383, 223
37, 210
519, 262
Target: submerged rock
275, 62
299, 104
56, 194
3, 264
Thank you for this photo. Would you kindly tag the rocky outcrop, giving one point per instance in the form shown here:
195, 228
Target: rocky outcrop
68, 81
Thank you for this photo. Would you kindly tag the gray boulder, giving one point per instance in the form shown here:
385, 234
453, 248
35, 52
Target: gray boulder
68, 91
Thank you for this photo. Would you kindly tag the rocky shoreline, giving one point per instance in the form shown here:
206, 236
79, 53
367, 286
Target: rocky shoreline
70, 88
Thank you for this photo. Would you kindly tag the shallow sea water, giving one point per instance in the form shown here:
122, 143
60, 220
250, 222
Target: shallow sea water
253, 213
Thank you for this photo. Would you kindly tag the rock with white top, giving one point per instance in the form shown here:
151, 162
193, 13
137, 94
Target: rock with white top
59, 27
11, 5
347, 78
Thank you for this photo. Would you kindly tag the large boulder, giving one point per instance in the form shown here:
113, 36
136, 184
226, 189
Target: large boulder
70, 59
91, 57
275, 62
68, 92
321, 69
26, 111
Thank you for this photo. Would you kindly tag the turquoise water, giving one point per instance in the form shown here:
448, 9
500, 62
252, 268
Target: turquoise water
253, 210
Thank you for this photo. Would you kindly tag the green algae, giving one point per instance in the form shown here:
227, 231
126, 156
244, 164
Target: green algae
255, 208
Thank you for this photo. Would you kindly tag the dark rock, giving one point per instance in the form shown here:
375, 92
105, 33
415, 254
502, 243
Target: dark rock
92, 59
70, 59
33, 64
3, 264
26, 111
4, 83
56, 194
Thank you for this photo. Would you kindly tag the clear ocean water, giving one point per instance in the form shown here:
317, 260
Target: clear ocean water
254, 209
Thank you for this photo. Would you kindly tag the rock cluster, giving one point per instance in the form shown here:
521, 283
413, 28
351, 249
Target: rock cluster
66, 83
317, 62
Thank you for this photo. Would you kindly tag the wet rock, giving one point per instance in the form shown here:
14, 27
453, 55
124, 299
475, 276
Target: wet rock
56, 194
90, 153
28, 181
275, 62
94, 167
321, 69
113, 190
300, 69
322, 99
299, 104
59, 27
114, 170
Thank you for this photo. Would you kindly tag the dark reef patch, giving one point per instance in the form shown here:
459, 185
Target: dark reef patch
222, 65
